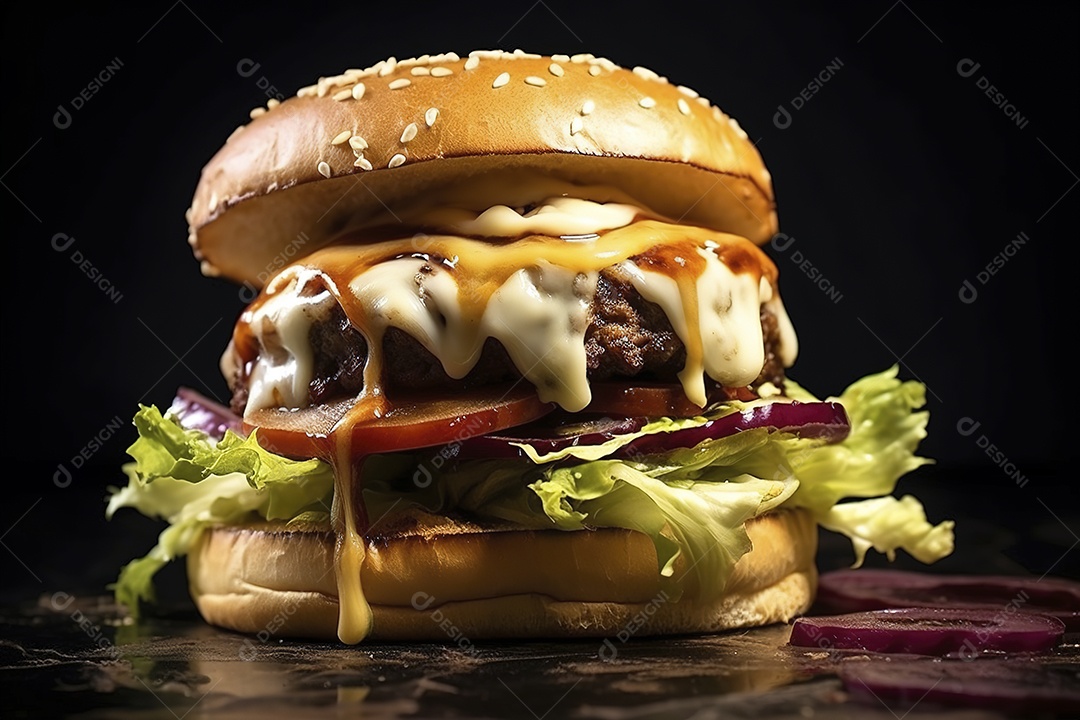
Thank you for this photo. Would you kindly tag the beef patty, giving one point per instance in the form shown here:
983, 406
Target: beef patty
628, 337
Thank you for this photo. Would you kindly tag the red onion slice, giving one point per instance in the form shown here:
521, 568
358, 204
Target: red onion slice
545, 437
824, 420
929, 631
814, 420
846, 591
195, 411
1009, 686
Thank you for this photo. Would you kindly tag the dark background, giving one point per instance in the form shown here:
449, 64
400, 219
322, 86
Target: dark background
899, 180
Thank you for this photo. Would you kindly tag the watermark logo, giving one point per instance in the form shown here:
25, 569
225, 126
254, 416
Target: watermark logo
967, 68
248, 650
248, 291
967, 427
422, 601
783, 118
608, 650
969, 293
62, 119
62, 477
61, 601
247, 68
970, 651
782, 243
424, 476
62, 242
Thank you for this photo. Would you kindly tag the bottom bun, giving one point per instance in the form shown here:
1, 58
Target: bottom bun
433, 578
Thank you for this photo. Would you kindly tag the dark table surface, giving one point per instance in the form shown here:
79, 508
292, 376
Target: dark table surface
79, 661
65, 650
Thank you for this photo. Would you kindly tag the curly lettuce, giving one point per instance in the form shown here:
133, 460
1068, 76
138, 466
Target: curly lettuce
692, 502
192, 482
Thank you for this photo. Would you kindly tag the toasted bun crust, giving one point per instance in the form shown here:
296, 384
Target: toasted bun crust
430, 574
283, 185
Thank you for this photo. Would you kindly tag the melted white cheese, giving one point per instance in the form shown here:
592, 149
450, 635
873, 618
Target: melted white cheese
285, 368
555, 216
729, 346
485, 207
539, 315
537, 309
729, 315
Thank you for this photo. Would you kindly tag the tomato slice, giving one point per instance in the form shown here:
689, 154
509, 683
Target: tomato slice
625, 399
412, 422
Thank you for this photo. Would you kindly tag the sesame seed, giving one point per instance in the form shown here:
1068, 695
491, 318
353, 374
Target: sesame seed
688, 92
561, 58
408, 133
647, 102
256, 112
430, 116
535, 81
418, 71
398, 159
450, 57
556, 69
388, 67
581, 57
684, 107
341, 137
343, 94
358, 143
341, 79
363, 162
272, 103
399, 83
358, 91
594, 70
703, 101
324, 169
575, 126
441, 71
644, 72
472, 62
501, 80
587, 107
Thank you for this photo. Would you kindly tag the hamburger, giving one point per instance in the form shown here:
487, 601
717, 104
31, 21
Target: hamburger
513, 363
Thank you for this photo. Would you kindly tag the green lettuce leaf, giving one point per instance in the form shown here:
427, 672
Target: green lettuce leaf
692, 502
887, 524
885, 431
703, 522
185, 478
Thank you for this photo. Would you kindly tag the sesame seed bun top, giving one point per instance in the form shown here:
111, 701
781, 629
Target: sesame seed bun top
354, 146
